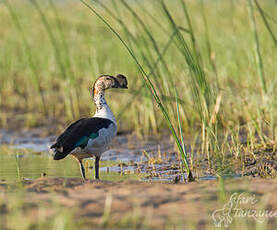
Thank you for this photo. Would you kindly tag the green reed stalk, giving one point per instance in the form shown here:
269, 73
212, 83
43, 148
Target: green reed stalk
147, 57
154, 45
62, 35
171, 39
274, 39
129, 35
148, 33
270, 16
67, 61
180, 124
263, 15
257, 46
57, 52
259, 61
161, 26
51, 36
35, 75
200, 87
132, 39
66, 56
192, 36
169, 77
154, 19
208, 44
148, 83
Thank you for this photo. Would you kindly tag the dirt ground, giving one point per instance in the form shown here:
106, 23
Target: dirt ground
153, 202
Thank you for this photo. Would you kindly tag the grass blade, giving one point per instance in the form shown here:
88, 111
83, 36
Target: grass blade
148, 82
266, 22
35, 73
257, 47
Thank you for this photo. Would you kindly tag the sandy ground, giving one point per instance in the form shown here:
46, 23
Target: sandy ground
153, 202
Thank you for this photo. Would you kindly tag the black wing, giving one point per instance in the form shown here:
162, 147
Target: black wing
77, 135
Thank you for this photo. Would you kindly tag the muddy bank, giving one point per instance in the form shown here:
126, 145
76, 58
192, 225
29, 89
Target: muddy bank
104, 203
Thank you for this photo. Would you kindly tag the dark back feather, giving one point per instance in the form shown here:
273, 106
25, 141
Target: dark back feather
77, 135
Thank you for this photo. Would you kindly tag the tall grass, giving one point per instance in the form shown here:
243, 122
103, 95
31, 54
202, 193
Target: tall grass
271, 102
257, 47
35, 72
200, 88
63, 61
264, 17
149, 85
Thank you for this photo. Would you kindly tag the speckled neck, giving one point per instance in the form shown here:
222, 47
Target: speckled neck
102, 108
99, 99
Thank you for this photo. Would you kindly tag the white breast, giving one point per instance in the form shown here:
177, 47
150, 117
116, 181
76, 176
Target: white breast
105, 112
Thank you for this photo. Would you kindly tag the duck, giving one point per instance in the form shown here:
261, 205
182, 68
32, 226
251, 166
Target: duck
91, 137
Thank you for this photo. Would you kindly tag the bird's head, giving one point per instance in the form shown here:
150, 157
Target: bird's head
107, 82
121, 82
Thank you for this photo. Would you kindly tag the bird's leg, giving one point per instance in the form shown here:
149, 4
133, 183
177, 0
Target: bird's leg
82, 169
97, 159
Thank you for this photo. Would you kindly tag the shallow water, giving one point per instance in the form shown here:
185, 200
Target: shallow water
28, 157
33, 166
